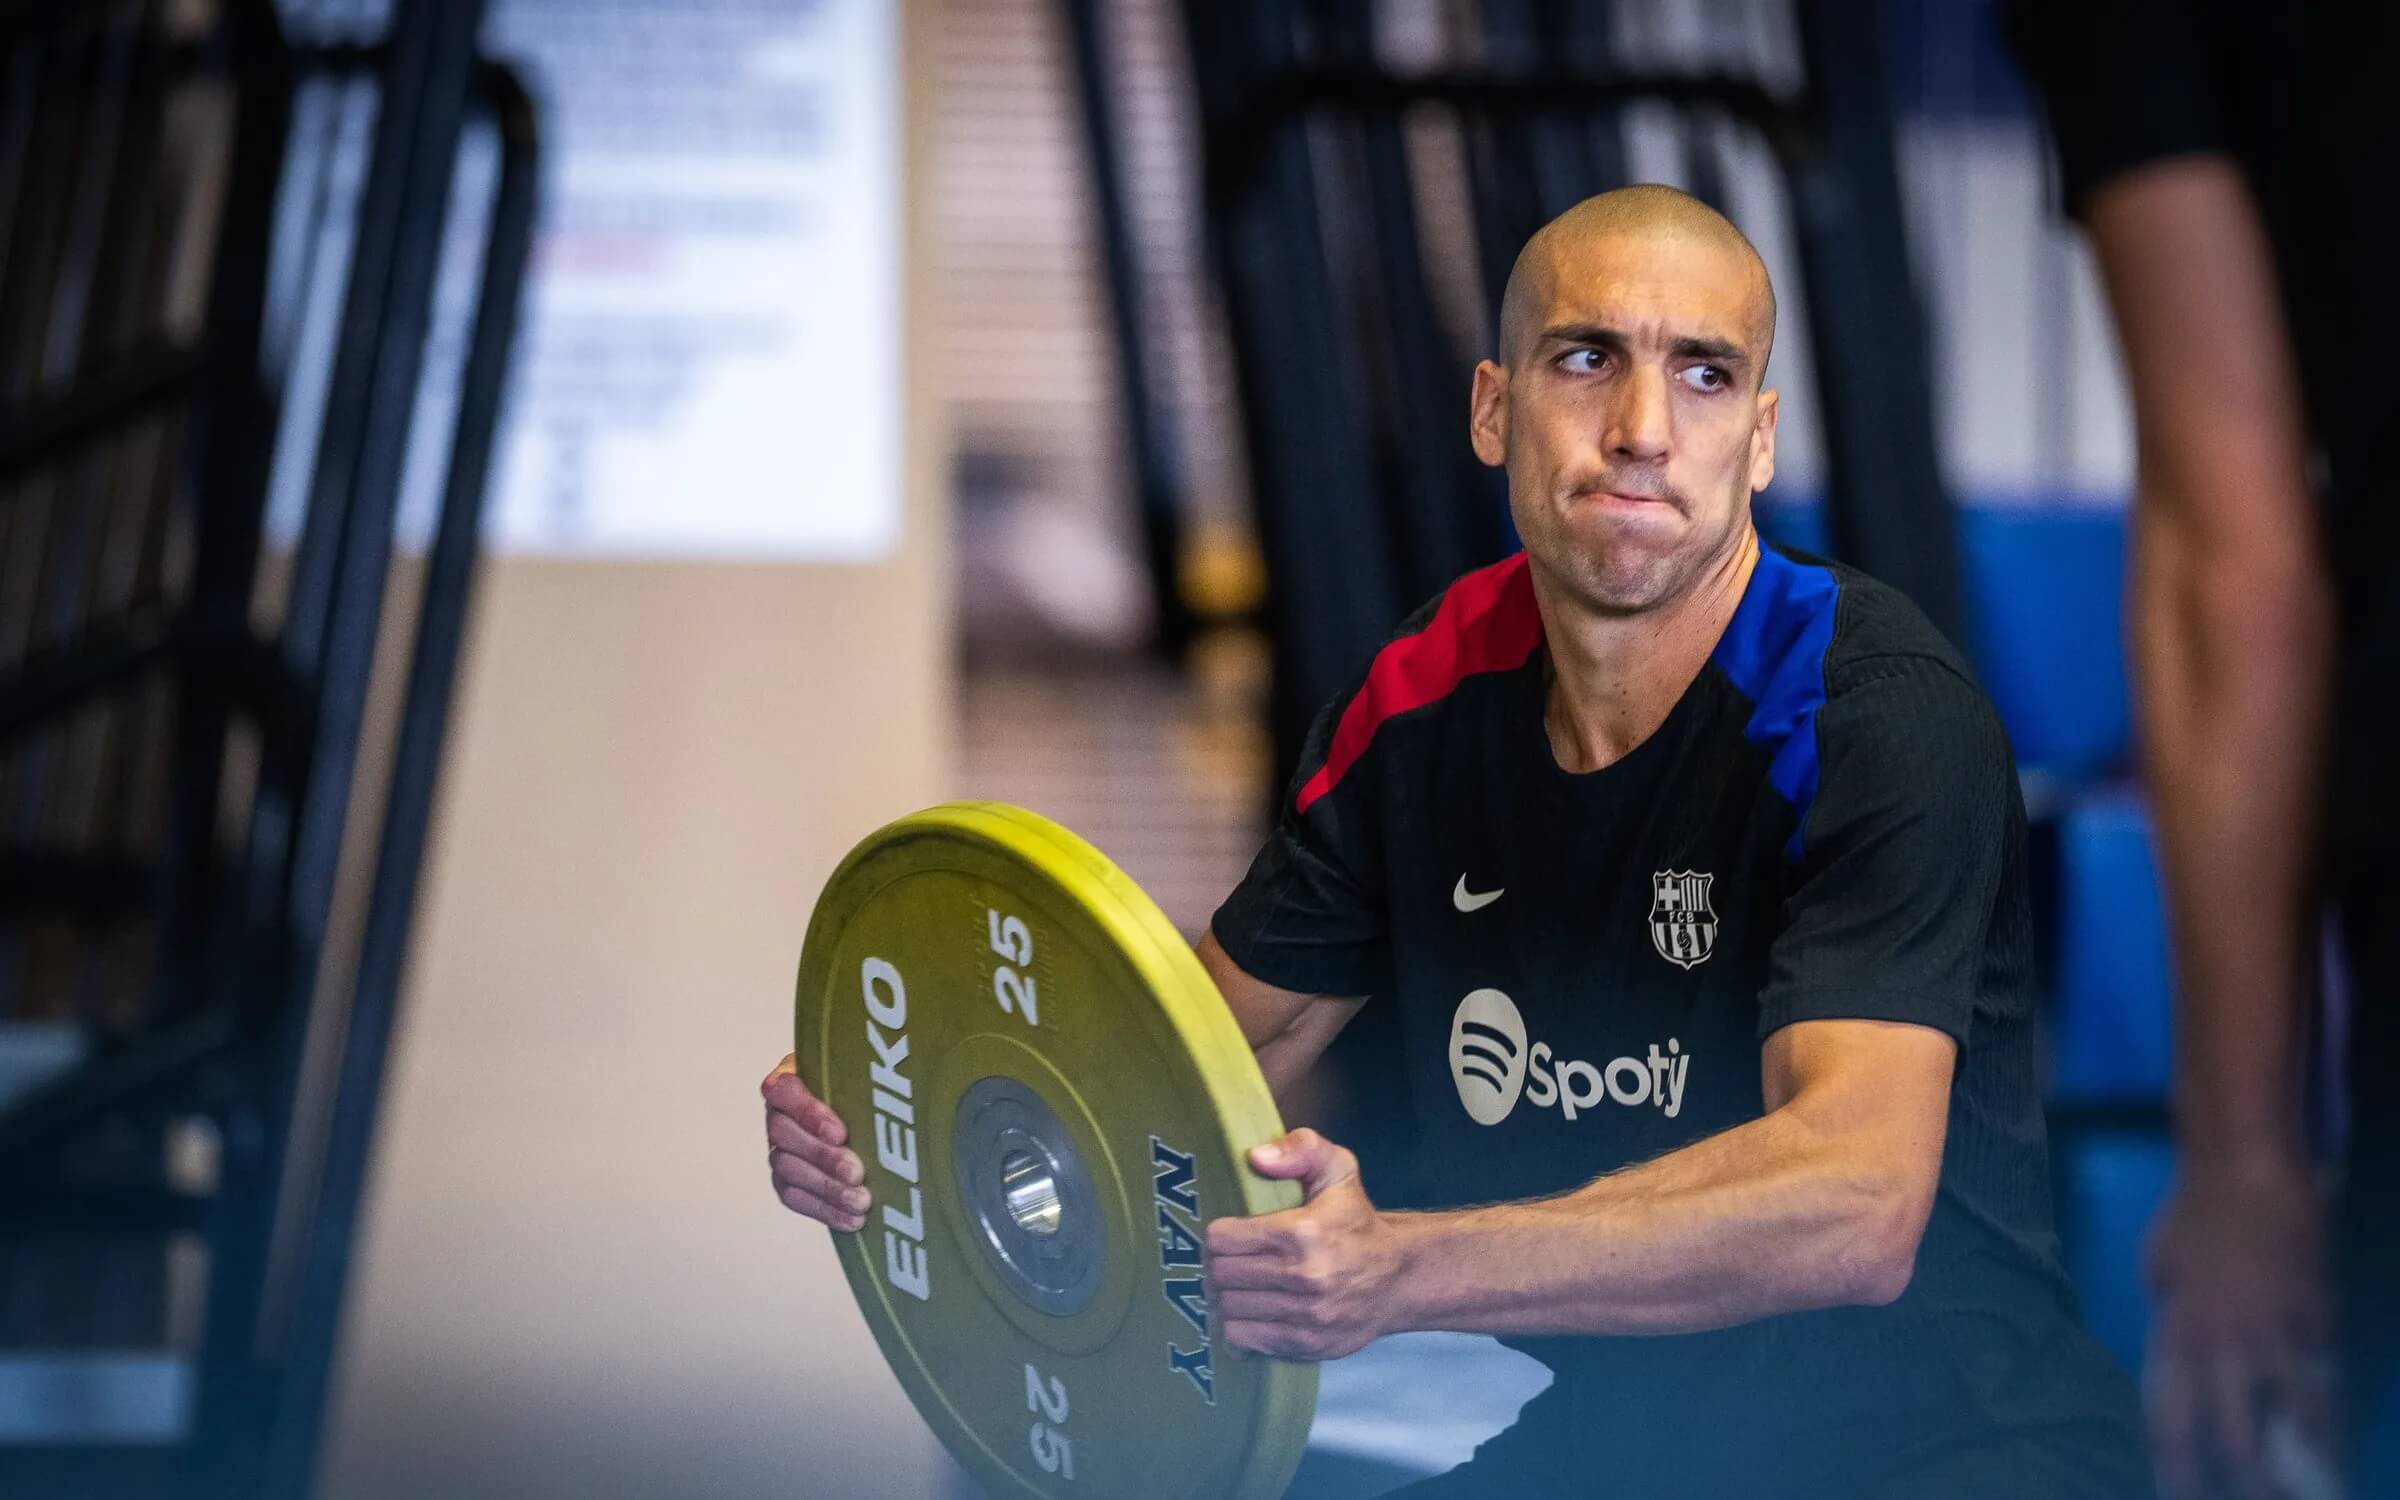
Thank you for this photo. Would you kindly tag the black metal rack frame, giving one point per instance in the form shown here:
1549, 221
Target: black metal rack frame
239, 892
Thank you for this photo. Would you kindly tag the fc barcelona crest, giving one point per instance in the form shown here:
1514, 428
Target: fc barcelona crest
1682, 926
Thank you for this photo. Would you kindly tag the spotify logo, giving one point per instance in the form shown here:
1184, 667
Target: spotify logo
1494, 1069
1487, 1055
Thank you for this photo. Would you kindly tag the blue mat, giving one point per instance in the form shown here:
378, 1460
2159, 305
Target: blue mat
2110, 1031
2114, 1185
2044, 582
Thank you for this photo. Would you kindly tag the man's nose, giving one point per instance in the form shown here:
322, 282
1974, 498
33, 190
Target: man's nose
1638, 423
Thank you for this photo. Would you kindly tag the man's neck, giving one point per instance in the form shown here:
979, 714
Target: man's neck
1615, 678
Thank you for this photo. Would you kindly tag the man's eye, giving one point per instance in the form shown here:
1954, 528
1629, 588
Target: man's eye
1705, 378
1583, 361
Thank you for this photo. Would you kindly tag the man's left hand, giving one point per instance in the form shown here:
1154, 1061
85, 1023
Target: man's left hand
1312, 1282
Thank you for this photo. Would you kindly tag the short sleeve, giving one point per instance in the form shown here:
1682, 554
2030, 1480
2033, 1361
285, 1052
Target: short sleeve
1891, 898
1310, 915
2124, 83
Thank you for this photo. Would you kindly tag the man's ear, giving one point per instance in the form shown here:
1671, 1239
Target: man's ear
1487, 413
1762, 445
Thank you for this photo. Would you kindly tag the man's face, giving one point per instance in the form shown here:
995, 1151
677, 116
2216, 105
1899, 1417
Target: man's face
1630, 417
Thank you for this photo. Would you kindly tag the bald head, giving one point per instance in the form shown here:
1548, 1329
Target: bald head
1575, 246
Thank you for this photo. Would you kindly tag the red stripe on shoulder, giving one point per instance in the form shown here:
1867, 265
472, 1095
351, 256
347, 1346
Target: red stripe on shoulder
1486, 622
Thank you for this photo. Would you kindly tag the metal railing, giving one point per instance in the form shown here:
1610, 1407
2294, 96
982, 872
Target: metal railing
219, 759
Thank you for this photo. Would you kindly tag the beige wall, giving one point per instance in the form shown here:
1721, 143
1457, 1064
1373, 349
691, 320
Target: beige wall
574, 1278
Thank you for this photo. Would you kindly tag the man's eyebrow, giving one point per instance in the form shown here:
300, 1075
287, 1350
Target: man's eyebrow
1690, 347
1583, 333
1721, 350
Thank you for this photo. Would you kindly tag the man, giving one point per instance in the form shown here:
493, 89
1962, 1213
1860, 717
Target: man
2231, 164
1696, 873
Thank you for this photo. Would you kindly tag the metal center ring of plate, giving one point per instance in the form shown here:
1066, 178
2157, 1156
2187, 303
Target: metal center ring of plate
1031, 1199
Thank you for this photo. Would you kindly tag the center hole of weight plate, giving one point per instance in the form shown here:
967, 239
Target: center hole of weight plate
1030, 1188
1028, 1195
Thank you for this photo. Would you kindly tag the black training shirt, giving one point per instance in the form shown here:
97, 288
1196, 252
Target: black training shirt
1827, 825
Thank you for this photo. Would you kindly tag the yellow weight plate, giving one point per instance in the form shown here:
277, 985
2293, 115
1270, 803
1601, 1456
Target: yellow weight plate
1052, 1101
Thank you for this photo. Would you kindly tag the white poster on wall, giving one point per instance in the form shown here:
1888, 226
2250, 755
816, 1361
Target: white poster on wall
709, 362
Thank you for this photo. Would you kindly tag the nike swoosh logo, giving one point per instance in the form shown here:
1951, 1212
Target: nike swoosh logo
1466, 900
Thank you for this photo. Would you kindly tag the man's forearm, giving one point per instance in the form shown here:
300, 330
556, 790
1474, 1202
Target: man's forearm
2230, 648
1773, 1216
2231, 624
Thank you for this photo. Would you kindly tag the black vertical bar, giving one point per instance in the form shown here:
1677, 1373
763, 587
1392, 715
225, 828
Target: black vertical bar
1583, 31
104, 255
230, 442
1331, 594
1424, 461
19, 104
1556, 148
70, 91
1151, 448
358, 479
370, 350
1704, 178
1511, 188
1886, 505
424, 115
231, 445
52, 61
330, 635
416, 761
1702, 130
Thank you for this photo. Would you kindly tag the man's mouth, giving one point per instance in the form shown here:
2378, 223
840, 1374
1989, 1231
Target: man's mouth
1622, 497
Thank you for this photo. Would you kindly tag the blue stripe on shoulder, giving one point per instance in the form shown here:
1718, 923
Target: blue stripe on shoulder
1774, 651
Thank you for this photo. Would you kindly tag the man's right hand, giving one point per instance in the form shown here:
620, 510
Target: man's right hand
2242, 1334
815, 1173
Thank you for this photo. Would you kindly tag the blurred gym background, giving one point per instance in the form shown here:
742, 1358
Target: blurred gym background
496, 497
